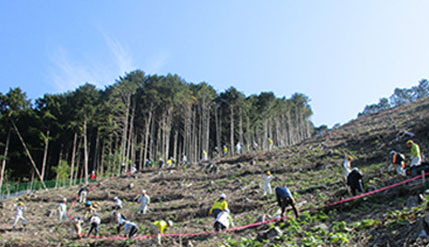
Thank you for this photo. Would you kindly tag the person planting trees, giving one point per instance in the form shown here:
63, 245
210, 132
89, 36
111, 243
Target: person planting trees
416, 158
267, 185
62, 210
118, 203
397, 159
130, 229
19, 212
225, 150
223, 221
83, 192
90, 208
120, 220
219, 206
354, 180
347, 166
144, 201
284, 199
94, 222
77, 223
160, 227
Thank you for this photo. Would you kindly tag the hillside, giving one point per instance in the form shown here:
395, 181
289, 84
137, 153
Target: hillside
312, 170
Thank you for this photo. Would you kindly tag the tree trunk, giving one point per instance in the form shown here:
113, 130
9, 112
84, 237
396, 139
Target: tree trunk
131, 129
232, 129
218, 144
100, 171
58, 168
96, 151
29, 155
85, 150
146, 137
73, 158
45, 154
3, 163
125, 130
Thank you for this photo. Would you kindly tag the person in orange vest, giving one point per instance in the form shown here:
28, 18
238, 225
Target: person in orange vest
397, 159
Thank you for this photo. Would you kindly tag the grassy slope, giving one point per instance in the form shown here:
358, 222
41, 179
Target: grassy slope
311, 169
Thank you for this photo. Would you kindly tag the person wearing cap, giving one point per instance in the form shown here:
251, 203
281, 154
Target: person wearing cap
90, 208
62, 210
267, 185
122, 170
397, 159
19, 212
416, 158
219, 206
144, 201
94, 222
118, 203
354, 180
83, 192
133, 169
119, 219
347, 166
77, 223
93, 176
130, 228
284, 199
223, 221
160, 227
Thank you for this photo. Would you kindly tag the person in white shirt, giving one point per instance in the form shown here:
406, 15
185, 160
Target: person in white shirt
267, 185
94, 222
223, 221
20, 208
238, 148
77, 223
347, 166
118, 203
119, 219
144, 201
83, 192
130, 228
62, 210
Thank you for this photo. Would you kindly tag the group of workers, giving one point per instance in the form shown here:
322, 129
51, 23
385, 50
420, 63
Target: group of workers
130, 228
354, 177
220, 211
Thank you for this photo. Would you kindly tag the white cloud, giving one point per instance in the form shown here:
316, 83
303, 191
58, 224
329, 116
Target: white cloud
123, 60
67, 72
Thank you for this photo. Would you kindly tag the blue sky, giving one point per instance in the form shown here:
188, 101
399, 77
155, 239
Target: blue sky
342, 54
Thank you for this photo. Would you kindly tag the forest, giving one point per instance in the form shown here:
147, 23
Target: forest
139, 117
399, 97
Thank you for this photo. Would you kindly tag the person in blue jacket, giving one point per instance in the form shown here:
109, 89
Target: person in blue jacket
284, 199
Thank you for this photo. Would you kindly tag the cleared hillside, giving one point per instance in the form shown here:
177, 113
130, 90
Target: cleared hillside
312, 170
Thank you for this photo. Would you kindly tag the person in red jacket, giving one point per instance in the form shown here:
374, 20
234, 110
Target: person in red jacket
93, 176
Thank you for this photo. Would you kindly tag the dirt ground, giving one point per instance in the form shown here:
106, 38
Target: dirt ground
312, 170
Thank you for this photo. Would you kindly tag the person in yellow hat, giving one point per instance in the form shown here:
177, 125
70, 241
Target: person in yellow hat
267, 185
416, 158
19, 211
